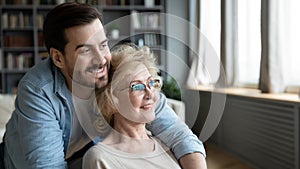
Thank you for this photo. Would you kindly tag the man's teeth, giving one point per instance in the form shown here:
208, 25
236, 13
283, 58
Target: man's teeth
99, 70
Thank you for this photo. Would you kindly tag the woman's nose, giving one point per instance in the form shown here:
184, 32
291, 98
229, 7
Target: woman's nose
148, 93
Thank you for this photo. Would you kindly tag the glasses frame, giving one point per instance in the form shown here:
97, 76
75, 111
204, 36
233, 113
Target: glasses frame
151, 84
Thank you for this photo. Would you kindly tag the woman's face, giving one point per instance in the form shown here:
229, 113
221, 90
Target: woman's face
137, 101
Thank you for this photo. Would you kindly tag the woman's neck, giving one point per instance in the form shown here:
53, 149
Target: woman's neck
129, 137
128, 128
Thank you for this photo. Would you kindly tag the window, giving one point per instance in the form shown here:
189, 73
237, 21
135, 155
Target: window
290, 27
243, 42
249, 42
210, 27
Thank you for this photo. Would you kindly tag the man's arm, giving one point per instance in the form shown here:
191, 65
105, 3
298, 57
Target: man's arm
176, 135
34, 136
193, 161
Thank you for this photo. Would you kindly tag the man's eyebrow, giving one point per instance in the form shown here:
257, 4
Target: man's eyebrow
104, 41
89, 45
83, 45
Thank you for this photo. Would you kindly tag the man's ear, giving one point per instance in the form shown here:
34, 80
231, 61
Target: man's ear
57, 57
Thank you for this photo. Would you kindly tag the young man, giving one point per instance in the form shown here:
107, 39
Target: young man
44, 130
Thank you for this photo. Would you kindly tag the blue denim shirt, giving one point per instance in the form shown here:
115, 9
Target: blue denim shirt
38, 133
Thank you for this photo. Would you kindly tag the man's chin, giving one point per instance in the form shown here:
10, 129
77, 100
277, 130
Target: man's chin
101, 83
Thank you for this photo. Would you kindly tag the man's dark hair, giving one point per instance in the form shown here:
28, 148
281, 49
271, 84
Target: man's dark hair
64, 16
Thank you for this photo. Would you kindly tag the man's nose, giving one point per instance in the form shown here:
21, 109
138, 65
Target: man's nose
100, 57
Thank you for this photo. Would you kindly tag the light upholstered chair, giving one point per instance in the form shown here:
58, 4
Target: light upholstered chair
7, 102
178, 107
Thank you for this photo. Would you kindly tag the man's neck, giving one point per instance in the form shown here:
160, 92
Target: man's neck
81, 91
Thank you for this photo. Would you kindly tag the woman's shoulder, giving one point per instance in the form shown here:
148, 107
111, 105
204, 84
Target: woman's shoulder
98, 151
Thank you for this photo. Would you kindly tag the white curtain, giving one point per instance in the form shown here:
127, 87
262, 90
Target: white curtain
217, 34
290, 29
271, 72
205, 43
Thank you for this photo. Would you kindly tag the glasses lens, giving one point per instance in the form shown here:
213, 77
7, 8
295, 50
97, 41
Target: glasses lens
137, 87
156, 83
151, 83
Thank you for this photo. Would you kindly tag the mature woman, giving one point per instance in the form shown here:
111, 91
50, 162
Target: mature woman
127, 104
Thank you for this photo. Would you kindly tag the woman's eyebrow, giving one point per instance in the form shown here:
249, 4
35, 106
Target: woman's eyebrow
149, 78
141, 80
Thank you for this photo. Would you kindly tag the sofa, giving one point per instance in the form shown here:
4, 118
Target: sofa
7, 102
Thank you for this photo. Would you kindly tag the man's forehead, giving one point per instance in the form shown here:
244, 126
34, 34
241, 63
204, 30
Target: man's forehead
93, 32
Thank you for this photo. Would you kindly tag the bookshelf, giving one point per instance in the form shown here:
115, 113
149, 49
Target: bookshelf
21, 44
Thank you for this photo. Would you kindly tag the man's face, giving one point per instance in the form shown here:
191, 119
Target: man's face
87, 55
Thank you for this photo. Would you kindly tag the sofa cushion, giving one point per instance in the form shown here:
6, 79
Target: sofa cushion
7, 102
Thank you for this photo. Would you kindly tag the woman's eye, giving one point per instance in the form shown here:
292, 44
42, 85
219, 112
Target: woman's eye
137, 87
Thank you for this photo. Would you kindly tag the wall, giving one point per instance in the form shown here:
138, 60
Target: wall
177, 33
177, 29
262, 132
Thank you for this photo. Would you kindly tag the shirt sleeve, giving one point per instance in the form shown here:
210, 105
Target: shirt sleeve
174, 132
35, 136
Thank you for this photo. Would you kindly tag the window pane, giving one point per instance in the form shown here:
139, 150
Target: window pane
249, 41
210, 27
290, 26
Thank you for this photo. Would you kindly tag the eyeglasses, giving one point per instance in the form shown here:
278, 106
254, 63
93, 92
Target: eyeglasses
151, 84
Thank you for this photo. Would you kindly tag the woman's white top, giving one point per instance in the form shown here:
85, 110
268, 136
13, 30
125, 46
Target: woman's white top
102, 156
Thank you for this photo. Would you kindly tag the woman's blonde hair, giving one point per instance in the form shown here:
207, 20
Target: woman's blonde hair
124, 56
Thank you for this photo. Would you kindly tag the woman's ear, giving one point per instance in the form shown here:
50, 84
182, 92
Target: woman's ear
57, 57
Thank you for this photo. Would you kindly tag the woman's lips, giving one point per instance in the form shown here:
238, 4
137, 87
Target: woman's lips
147, 106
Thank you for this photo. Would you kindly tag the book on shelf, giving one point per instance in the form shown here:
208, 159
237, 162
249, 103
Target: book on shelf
10, 61
18, 40
20, 61
149, 3
43, 55
145, 20
150, 20
40, 21
1, 59
40, 39
4, 20
152, 39
135, 19
16, 2
16, 20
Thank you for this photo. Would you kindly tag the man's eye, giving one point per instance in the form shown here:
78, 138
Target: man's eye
103, 46
85, 51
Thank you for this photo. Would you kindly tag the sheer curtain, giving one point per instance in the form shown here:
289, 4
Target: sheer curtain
205, 45
229, 41
271, 72
290, 44
249, 42
258, 44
